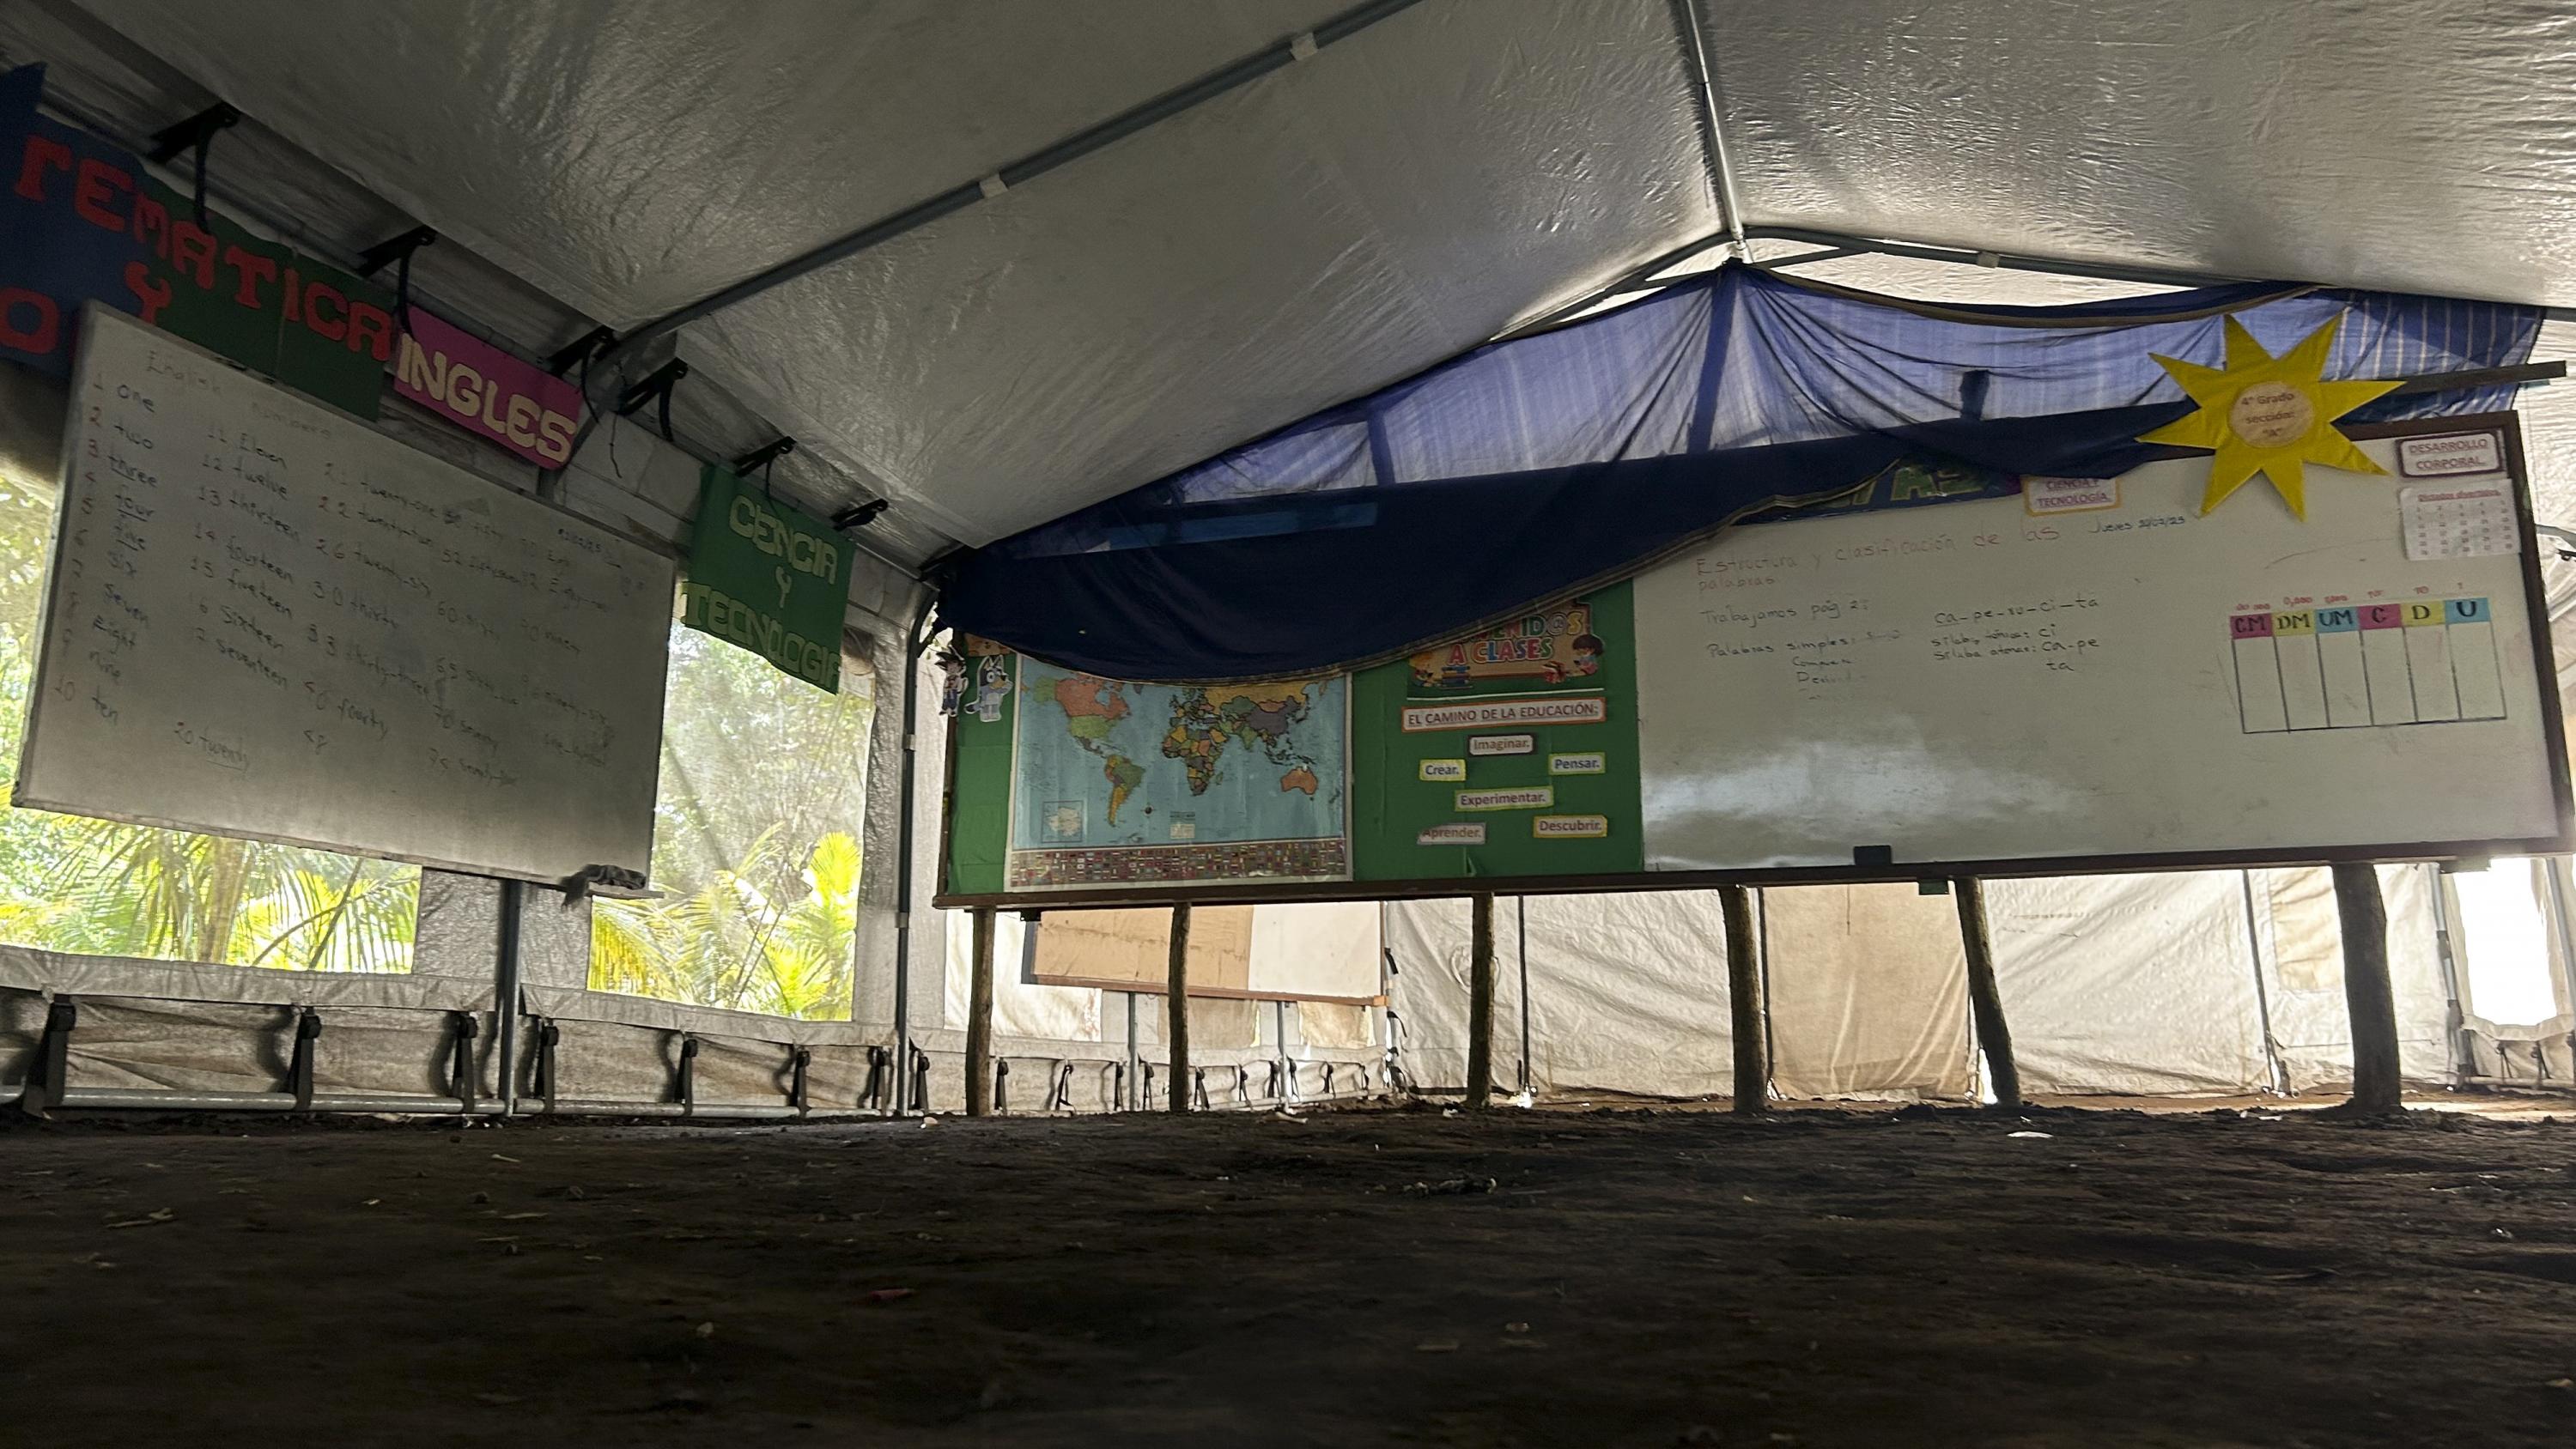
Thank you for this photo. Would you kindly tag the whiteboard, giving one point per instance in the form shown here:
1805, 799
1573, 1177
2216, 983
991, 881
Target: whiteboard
1973, 683
265, 619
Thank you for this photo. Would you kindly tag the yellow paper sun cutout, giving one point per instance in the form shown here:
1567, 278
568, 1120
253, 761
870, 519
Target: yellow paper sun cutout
2268, 415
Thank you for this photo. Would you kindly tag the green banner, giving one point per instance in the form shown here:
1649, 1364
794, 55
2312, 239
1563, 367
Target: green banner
308, 324
771, 578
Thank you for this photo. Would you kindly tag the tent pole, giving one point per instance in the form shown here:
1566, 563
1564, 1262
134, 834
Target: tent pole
505, 995
1994, 1035
2274, 1072
2366, 994
1480, 1001
1521, 905
1744, 991
2550, 868
979, 1020
1176, 1033
2446, 954
1128, 1098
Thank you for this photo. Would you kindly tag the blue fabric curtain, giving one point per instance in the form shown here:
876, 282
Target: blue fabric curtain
1554, 462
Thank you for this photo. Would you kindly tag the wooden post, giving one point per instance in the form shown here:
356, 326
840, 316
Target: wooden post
2375, 1085
1176, 1030
1480, 1002
979, 1020
1744, 996
1985, 1002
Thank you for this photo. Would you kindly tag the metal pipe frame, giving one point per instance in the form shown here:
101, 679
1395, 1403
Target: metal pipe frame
915, 642
1722, 172
1019, 173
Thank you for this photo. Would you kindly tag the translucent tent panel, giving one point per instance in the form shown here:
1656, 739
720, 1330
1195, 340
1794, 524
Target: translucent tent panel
2413, 147
1326, 229
636, 155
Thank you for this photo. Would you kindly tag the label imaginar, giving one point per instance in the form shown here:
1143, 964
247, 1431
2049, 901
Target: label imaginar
1487, 713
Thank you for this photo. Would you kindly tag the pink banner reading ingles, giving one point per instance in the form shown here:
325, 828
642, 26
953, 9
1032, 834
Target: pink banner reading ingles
479, 387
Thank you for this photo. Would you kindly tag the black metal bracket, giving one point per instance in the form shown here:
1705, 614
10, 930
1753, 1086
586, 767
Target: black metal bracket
1118, 1085
798, 1062
53, 1058
583, 349
1001, 1085
299, 1066
858, 516
1060, 1096
1198, 1083
920, 1080
398, 249
872, 1095
762, 456
547, 1035
656, 386
197, 130
655, 389
687, 1083
1145, 1087
462, 1079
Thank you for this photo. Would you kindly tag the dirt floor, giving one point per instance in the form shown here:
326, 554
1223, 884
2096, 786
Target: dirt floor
1629, 1278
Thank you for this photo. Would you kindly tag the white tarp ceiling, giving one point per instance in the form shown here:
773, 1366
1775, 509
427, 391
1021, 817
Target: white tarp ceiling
1406, 193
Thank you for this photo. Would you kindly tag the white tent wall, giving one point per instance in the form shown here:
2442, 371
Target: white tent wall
1868, 992
1627, 993
2127, 985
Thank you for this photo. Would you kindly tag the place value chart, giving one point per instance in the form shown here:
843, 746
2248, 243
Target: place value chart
2366, 666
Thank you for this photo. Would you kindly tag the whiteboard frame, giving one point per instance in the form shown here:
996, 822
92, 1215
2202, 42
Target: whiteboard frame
2553, 726
21, 799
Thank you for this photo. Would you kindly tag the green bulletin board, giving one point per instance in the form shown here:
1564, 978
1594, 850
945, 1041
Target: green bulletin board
1424, 794
979, 805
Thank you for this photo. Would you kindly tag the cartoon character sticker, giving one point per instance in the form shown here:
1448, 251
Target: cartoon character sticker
992, 684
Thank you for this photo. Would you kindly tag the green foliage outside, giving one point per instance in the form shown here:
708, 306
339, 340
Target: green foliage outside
755, 842
99, 888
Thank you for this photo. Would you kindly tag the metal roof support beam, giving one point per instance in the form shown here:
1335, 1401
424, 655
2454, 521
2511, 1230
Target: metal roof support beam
2104, 271
1721, 173
1028, 168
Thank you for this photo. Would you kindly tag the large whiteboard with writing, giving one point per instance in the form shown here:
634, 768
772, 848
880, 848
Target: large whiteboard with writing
265, 619
1976, 682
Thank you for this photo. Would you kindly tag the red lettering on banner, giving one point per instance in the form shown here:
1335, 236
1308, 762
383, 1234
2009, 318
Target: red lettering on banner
192, 250
330, 329
47, 327
371, 330
554, 437
294, 297
252, 269
42, 154
150, 293
98, 185
152, 221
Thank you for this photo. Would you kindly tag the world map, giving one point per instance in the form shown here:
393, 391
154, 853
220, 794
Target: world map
1102, 763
